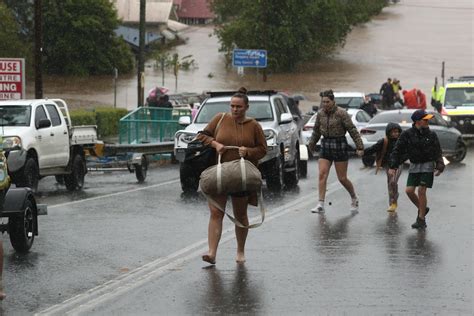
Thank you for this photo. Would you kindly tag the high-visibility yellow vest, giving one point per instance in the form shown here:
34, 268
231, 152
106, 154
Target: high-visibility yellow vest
438, 95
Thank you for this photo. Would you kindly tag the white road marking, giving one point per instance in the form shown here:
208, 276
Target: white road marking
86, 301
114, 194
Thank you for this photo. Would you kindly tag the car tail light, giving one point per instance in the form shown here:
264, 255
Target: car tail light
366, 131
307, 128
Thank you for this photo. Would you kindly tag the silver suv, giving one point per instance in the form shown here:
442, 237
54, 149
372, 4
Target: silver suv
285, 160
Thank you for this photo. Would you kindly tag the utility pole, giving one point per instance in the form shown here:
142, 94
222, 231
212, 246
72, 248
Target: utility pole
141, 58
38, 50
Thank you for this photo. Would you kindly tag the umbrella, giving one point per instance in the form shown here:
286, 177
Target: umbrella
298, 97
157, 91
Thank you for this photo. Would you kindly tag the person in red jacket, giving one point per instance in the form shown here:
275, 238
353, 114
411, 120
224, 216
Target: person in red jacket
414, 99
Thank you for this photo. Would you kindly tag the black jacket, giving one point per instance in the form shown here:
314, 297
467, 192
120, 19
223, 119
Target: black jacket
419, 145
378, 146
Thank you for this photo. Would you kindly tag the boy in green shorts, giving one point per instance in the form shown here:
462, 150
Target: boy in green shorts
422, 147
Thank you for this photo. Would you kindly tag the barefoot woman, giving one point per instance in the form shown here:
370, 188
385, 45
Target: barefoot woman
235, 129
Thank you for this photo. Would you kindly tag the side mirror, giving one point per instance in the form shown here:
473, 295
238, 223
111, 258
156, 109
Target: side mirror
43, 123
315, 108
286, 118
184, 120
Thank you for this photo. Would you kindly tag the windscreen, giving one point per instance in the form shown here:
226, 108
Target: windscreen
349, 102
11, 115
459, 97
259, 110
395, 117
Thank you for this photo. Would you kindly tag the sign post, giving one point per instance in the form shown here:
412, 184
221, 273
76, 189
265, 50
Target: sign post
12, 78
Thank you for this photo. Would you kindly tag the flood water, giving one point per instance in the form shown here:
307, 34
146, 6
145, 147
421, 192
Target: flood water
408, 41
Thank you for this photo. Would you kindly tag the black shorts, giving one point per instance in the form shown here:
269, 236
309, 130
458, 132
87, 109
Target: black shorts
334, 149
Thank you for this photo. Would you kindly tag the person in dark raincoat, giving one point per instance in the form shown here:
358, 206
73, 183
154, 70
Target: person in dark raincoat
382, 150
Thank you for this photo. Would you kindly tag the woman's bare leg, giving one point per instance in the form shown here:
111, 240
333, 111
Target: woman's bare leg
240, 205
324, 166
214, 231
341, 171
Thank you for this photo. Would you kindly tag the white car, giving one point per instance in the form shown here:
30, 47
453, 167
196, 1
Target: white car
349, 100
359, 117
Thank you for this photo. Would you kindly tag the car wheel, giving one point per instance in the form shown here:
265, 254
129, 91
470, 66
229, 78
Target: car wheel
303, 169
141, 170
368, 161
30, 176
22, 228
75, 180
292, 178
189, 180
460, 154
274, 175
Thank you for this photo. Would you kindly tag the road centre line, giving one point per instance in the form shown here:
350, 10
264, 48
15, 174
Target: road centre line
111, 289
114, 194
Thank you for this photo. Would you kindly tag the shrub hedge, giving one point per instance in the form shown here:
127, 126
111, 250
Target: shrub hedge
106, 119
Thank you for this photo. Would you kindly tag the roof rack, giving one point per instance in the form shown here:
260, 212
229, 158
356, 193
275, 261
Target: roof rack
251, 92
462, 78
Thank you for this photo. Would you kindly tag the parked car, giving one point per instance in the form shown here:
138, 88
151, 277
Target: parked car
281, 167
359, 117
452, 143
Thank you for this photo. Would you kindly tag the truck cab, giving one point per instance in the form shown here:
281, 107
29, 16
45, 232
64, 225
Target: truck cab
39, 141
458, 105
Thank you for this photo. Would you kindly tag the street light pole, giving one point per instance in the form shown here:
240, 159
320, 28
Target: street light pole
38, 50
141, 58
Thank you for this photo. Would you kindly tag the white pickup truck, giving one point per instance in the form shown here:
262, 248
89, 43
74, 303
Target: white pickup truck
40, 141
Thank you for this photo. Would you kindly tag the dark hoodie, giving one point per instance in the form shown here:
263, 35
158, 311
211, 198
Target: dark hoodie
377, 148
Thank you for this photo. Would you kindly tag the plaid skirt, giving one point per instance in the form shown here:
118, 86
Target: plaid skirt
334, 149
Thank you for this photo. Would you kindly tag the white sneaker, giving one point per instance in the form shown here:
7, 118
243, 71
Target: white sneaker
318, 209
354, 205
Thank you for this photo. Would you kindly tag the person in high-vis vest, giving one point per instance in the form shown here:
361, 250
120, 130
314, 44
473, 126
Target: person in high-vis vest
437, 96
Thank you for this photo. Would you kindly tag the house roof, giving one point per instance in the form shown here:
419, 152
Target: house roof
157, 11
194, 9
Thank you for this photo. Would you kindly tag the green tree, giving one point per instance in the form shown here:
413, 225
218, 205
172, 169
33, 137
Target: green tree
79, 38
292, 31
10, 40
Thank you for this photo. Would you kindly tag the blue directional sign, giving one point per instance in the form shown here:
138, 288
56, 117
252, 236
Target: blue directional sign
256, 58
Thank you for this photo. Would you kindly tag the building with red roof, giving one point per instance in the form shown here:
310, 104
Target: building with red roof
193, 11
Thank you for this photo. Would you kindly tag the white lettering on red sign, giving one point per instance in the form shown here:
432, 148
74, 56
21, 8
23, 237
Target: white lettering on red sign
8, 87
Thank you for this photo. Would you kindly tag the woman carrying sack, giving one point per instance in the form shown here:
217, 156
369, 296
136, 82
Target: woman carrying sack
235, 129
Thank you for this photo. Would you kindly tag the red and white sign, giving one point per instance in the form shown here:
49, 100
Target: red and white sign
12, 78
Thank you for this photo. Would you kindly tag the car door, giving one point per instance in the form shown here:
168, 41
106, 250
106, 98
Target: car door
59, 136
43, 139
447, 138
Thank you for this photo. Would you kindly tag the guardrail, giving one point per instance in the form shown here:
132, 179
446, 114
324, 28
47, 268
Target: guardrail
150, 125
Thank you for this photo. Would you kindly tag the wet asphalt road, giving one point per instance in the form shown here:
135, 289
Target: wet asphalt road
121, 248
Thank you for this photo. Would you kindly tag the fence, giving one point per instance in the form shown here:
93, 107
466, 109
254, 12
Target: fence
150, 125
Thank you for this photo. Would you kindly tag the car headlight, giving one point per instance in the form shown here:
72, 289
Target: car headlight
446, 118
12, 143
270, 136
185, 137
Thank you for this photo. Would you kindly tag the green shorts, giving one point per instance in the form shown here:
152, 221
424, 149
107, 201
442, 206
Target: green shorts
423, 179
